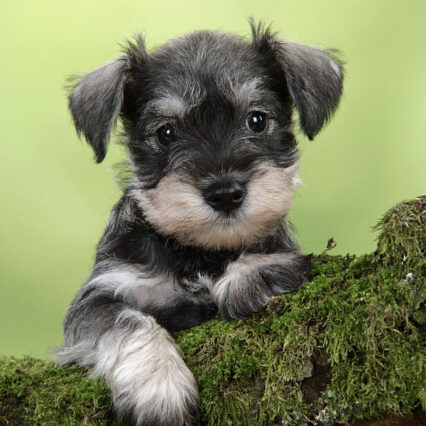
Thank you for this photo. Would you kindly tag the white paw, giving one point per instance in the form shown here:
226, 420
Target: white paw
150, 383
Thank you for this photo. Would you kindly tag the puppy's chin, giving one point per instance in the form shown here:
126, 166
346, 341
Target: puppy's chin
175, 207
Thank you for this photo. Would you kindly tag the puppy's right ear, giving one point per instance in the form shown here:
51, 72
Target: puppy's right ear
95, 103
96, 98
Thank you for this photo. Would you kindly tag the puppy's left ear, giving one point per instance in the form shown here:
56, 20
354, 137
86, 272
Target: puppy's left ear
313, 77
315, 82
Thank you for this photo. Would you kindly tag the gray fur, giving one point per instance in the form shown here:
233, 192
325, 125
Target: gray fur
249, 283
95, 103
315, 82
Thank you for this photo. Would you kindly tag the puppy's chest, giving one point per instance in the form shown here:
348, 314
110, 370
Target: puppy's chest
188, 263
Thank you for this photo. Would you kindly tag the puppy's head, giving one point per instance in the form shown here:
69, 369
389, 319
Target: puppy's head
208, 119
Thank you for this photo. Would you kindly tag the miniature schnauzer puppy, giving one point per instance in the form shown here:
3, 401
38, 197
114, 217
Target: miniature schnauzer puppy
200, 228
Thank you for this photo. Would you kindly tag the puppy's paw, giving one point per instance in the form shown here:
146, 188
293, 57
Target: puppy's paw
237, 295
286, 277
150, 382
165, 396
249, 283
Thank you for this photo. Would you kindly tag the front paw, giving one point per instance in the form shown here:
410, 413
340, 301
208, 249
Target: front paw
249, 283
167, 397
238, 294
286, 277
150, 382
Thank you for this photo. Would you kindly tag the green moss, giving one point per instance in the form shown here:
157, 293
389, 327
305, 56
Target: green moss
346, 346
402, 236
35, 392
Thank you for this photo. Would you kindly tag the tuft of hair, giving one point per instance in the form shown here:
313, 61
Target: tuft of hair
262, 35
135, 50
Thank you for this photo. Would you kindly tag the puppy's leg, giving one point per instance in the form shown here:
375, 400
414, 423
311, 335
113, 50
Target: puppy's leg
150, 383
250, 281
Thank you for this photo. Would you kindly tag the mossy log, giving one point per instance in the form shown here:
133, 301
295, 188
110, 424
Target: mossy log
347, 347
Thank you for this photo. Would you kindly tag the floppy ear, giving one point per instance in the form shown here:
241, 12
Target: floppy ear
315, 82
95, 103
313, 76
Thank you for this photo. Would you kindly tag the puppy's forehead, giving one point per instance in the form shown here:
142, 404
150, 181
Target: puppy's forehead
187, 70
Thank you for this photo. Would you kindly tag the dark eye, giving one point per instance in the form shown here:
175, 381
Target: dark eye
256, 122
166, 134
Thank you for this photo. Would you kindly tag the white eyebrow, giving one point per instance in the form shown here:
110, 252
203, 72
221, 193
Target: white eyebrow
247, 92
168, 106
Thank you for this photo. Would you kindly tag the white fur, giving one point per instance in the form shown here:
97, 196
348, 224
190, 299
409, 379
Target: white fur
145, 371
176, 207
134, 285
169, 105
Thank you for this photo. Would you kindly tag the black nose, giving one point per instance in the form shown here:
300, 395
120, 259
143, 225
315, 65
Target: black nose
225, 196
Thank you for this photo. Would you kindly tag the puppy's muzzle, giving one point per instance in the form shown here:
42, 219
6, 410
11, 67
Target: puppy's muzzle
224, 196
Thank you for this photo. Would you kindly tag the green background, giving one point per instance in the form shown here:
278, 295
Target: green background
55, 200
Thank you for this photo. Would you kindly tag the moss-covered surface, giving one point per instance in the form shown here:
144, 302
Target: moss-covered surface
401, 240
348, 346
38, 392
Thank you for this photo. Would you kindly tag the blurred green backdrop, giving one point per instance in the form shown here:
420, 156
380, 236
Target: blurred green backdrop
55, 200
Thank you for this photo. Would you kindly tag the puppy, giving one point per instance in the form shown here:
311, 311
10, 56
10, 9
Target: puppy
200, 228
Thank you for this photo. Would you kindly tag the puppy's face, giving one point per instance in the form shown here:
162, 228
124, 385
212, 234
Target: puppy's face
208, 119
